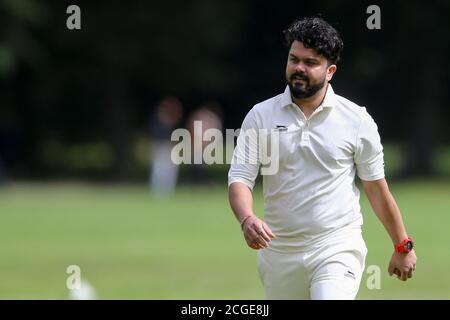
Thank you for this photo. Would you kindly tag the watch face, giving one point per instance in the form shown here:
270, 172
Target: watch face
409, 246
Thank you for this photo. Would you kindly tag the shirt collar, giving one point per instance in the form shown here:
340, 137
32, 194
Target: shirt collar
328, 102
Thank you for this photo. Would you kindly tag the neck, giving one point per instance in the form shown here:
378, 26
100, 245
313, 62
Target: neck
308, 105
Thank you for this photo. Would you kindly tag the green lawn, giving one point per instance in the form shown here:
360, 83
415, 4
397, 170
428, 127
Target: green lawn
130, 245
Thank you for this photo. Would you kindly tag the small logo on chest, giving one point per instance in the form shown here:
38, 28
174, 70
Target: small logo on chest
281, 128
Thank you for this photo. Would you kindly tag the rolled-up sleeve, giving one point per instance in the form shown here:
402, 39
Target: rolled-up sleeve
245, 162
369, 157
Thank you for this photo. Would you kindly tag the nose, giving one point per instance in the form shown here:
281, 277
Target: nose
300, 67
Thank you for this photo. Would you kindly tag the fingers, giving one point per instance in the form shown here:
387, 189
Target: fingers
403, 266
404, 275
268, 231
257, 234
410, 273
262, 242
255, 241
262, 233
256, 246
391, 270
259, 237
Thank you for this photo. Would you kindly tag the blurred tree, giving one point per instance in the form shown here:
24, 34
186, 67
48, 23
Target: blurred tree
420, 63
97, 84
77, 85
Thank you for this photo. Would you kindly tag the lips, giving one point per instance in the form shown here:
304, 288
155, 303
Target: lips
300, 81
299, 78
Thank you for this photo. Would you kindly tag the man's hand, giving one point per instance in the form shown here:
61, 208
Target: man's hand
403, 265
256, 232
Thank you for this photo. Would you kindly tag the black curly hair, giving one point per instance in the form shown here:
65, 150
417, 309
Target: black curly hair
317, 34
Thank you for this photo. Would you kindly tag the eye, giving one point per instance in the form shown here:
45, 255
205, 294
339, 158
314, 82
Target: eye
311, 62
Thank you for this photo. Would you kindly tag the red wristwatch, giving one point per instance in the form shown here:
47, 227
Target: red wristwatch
405, 246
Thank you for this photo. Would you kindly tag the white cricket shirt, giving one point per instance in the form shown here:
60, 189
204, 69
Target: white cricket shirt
313, 194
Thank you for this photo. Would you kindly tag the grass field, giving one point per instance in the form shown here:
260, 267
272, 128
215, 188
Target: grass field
130, 245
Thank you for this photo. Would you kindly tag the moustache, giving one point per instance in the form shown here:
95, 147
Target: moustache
299, 76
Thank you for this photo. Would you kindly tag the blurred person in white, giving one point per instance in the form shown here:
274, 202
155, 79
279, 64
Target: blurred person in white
207, 116
164, 173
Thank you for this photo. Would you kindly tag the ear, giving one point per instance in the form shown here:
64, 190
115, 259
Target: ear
330, 71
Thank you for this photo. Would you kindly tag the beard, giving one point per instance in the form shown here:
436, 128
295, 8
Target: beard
305, 90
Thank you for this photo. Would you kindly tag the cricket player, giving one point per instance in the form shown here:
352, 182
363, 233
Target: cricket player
310, 244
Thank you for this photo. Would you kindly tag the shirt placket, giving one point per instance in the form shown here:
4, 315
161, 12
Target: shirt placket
306, 126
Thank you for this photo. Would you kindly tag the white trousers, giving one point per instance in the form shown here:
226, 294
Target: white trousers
331, 271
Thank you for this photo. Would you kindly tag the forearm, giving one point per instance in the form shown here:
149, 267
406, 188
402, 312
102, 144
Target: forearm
386, 209
241, 200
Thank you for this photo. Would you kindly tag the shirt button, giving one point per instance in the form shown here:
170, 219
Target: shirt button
305, 135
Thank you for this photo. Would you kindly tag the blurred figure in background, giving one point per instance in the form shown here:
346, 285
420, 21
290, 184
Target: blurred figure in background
210, 115
164, 173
